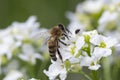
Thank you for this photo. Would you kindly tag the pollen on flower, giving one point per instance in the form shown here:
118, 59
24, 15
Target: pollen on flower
102, 45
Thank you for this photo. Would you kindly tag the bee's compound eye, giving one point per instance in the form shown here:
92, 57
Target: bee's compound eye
77, 31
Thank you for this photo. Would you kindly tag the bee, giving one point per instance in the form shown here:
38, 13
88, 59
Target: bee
53, 42
55, 35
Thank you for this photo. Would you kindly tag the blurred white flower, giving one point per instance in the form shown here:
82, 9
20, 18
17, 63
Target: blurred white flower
29, 54
74, 21
17, 34
106, 18
7, 43
16, 42
24, 30
13, 75
11, 66
90, 6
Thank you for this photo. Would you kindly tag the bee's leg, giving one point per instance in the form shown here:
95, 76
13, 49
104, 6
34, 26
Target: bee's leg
68, 31
66, 36
59, 52
59, 55
63, 43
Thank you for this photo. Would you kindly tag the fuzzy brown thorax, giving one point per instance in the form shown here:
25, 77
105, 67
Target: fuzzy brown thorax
56, 32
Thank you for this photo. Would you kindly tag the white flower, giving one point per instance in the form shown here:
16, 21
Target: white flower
91, 62
101, 52
29, 54
91, 57
56, 69
103, 41
13, 75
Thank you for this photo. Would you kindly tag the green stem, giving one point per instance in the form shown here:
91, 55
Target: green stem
106, 69
94, 73
87, 76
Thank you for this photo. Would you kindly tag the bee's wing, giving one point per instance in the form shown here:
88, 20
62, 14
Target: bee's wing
41, 34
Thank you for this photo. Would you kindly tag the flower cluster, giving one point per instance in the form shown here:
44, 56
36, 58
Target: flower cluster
17, 44
88, 48
102, 15
85, 49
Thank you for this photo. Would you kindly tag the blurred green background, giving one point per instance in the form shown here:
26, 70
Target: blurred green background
48, 12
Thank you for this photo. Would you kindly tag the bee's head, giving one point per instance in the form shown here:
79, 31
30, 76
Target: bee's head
60, 26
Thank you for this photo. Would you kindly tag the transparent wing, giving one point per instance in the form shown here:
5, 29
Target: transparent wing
41, 34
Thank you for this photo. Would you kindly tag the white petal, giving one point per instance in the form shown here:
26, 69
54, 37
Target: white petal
88, 6
91, 33
80, 42
118, 45
110, 41
104, 19
96, 39
27, 48
63, 74
101, 52
33, 79
54, 70
23, 57
38, 56
85, 61
13, 75
95, 67
74, 60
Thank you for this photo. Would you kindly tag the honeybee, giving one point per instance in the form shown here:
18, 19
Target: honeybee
55, 38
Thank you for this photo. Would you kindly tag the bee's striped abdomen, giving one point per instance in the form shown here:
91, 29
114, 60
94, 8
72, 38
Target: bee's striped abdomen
52, 49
